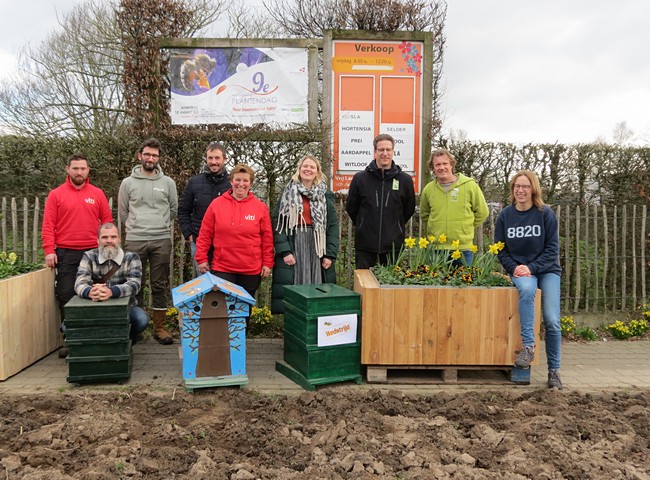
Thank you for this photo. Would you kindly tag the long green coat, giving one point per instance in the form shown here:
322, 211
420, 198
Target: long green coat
284, 244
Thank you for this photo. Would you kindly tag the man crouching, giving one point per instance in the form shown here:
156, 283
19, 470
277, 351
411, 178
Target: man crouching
110, 272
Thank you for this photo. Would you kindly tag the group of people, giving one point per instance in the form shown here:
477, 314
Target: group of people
233, 235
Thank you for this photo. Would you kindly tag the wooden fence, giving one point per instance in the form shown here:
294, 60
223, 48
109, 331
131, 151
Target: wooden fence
605, 250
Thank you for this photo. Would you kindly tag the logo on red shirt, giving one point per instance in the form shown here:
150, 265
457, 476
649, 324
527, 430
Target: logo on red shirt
249, 217
90, 200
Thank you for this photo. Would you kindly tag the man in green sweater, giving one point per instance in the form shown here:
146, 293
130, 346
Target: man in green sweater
452, 205
148, 204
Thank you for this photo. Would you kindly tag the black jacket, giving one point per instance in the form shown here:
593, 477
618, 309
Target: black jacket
198, 194
380, 202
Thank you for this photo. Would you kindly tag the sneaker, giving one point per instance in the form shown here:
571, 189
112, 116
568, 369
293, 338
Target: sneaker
525, 356
554, 379
63, 352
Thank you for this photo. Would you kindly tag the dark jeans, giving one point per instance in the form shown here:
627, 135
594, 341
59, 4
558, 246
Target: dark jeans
250, 283
66, 273
156, 254
365, 259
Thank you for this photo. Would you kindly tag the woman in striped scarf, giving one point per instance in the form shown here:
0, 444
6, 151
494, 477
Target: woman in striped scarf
306, 232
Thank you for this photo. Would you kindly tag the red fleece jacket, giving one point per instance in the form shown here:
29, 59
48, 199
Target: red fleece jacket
72, 217
241, 234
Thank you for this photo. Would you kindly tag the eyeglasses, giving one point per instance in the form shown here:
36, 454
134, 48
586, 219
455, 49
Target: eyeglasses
522, 187
150, 155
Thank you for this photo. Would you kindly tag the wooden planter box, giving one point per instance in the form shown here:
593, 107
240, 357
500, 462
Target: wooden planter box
430, 326
29, 320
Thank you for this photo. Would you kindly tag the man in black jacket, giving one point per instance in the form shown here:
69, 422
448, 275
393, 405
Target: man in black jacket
380, 202
200, 191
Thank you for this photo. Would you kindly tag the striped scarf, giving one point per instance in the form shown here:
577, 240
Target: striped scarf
290, 211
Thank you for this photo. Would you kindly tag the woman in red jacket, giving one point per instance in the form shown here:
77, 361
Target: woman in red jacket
238, 226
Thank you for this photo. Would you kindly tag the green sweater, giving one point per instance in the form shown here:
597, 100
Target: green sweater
455, 213
147, 205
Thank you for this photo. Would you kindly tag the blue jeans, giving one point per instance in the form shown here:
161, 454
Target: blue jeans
466, 259
139, 321
549, 284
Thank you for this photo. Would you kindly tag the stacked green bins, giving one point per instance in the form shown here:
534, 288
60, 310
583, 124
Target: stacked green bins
322, 331
97, 337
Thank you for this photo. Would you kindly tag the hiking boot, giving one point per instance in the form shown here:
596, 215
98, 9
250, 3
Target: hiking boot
554, 379
525, 356
63, 352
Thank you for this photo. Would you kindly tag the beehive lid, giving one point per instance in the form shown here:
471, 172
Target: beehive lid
85, 309
204, 283
322, 299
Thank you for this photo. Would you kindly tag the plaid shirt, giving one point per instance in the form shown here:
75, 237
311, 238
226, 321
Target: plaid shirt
124, 282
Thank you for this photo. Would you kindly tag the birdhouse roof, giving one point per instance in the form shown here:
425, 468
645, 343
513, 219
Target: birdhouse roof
206, 283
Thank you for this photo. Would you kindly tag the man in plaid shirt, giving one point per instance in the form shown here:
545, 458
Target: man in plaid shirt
125, 280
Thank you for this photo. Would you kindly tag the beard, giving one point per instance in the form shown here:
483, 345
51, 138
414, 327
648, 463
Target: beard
148, 166
78, 180
109, 252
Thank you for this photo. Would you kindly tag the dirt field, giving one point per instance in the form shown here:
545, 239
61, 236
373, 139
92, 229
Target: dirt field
239, 434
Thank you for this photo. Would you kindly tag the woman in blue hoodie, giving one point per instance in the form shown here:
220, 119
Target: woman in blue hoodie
529, 230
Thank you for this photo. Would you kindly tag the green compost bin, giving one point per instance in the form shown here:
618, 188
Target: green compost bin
313, 309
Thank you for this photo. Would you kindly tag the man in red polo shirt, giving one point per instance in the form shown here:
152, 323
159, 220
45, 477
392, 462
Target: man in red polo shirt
73, 213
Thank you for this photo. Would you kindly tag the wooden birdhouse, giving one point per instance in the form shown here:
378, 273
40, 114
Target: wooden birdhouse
212, 314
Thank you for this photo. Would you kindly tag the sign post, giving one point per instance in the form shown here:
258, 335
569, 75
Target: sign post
379, 85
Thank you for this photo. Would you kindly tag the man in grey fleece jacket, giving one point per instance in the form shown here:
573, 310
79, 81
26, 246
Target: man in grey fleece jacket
148, 204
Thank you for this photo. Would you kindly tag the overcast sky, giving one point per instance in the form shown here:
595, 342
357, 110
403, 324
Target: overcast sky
515, 70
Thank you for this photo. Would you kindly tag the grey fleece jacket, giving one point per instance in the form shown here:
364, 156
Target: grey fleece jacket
147, 205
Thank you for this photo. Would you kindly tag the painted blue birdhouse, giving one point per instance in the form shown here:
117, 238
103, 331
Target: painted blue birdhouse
212, 313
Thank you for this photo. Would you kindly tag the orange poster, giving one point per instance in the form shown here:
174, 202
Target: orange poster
377, 88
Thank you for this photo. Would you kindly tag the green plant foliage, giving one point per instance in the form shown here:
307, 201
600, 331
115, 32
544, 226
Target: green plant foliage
263, 323
11, 265
424, 262
259, 319
625, 330
645, 312
586, 333
567, 326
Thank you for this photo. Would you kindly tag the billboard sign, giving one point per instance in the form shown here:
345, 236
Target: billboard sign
377, 88
242, 86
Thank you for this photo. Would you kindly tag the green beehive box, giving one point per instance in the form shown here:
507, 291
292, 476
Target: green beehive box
107, 368
315, 362
85, 312
98, 347
93, 333
304, 326
323, 299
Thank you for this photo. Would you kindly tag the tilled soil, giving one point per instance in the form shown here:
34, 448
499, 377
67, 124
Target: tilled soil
241, 434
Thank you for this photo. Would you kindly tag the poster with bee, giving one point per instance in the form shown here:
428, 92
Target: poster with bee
242, 86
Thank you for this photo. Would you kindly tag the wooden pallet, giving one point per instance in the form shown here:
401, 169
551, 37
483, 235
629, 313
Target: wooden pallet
448, 374
311, 383
192, 384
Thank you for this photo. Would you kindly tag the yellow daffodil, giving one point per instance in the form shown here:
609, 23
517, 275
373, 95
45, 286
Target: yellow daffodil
473, 249
431, 238
455, 244
494, 248
409, 242
456, 254
12, 258
442, 238
423, 243
500, 246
